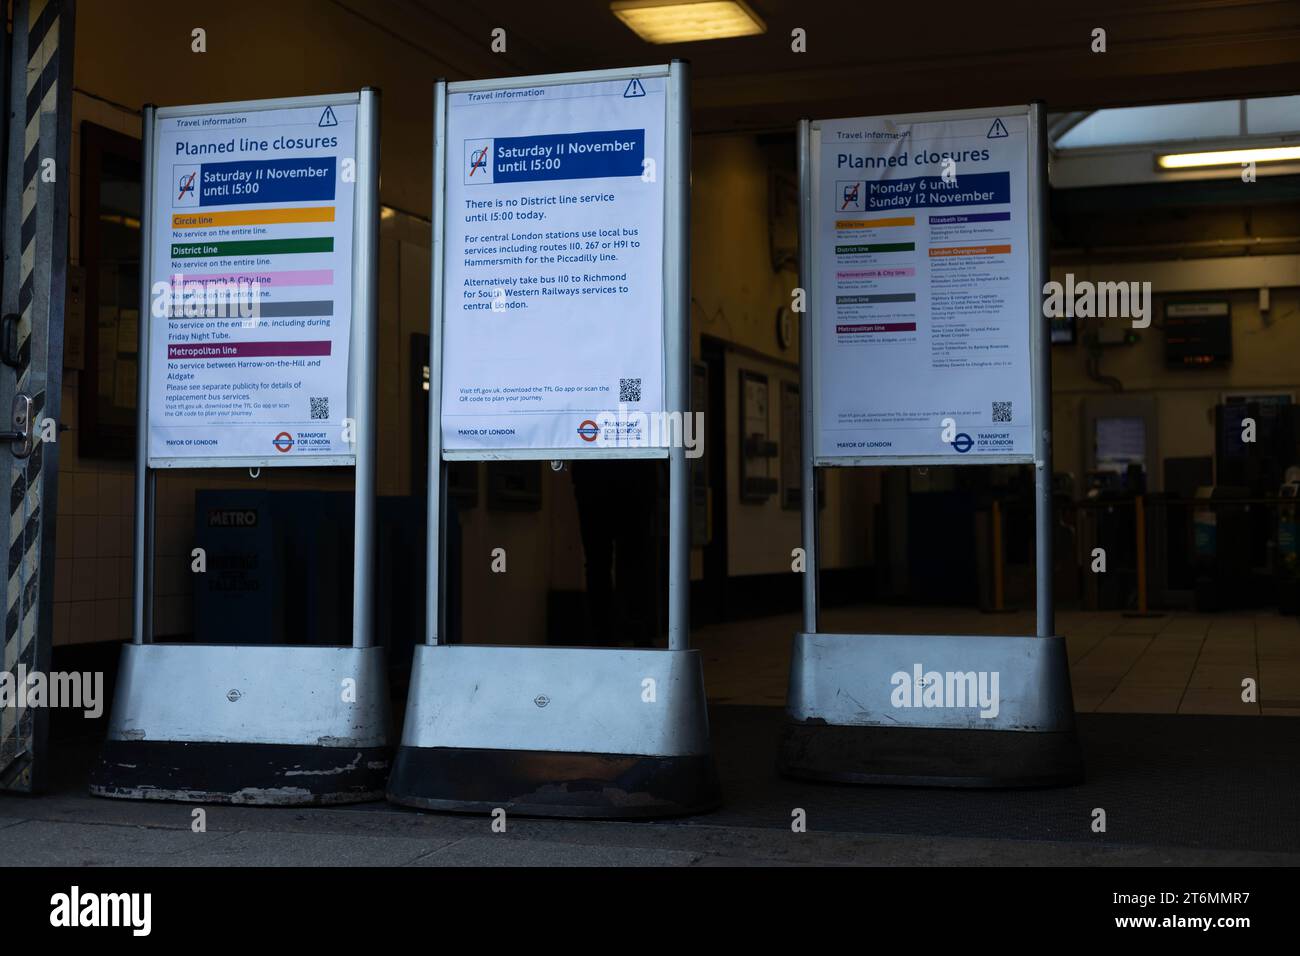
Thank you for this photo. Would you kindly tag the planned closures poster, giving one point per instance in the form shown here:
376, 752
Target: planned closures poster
251, 283
553, 270
922, 297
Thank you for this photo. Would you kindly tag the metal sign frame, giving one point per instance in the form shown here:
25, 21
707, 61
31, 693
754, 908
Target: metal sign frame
843, 720
565, 731
676, 351
361, 357
269, 724
1039, 356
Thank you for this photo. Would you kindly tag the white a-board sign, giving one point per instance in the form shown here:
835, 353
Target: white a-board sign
553, 269
558, 330
924, 344
922, 299
252, 268
259, 263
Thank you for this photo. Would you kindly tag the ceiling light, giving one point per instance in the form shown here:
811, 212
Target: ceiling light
1228, 157
685, 21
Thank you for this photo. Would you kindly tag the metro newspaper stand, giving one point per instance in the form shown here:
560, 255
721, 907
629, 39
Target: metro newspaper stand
264, 724
563, 731
882, 275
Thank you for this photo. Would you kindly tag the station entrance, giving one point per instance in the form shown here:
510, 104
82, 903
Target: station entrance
1173, 545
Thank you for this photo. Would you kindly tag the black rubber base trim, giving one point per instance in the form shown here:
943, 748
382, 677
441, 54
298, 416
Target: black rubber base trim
930, 757
260, 774
553, 784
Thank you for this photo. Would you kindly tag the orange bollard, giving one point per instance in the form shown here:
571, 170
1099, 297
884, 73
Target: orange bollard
1140, 530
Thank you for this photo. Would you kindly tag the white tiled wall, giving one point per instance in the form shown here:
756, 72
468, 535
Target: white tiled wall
92, 577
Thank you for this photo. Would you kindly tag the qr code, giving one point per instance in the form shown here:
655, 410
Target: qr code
629, 390
1002, 411
320, 409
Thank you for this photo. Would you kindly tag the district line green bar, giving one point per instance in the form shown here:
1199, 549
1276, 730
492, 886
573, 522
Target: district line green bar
877, 247
250, 247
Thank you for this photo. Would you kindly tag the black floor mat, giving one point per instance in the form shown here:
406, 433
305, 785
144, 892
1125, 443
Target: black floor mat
1192, 781
1189, 781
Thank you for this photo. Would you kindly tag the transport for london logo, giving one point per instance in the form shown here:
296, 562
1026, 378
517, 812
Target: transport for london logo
283, 442
478, 161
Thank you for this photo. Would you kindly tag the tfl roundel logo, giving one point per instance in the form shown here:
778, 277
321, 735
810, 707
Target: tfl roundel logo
588, 430
962, 443
283, 442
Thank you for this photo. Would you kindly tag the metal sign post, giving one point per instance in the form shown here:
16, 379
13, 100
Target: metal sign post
604, 157
911, 225
271, 206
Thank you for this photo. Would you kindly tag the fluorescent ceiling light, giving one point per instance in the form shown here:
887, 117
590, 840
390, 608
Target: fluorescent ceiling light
685, 21
1228, 157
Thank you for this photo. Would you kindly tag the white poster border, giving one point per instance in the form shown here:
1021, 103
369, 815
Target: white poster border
810, 363
363, 293
675, 258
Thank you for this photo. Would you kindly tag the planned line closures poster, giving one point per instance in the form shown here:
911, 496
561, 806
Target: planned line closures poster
251, 284
922, 299
553, 265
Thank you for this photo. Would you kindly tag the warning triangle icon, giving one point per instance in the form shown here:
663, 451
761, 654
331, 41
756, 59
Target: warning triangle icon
998, 130
328, 118
634, 88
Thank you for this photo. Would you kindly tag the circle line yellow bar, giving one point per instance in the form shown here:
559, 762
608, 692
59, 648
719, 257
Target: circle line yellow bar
875, 223
251, 217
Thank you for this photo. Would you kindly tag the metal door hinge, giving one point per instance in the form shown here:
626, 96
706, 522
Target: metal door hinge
20, 435
9, 353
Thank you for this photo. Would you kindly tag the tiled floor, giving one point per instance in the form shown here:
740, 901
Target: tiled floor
1178, 663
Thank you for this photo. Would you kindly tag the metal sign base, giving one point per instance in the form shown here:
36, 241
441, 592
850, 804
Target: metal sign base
931, 710
264, 725
556, 731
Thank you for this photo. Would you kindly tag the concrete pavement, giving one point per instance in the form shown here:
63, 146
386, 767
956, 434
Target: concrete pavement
74, 830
